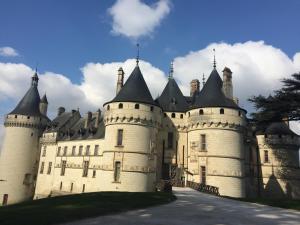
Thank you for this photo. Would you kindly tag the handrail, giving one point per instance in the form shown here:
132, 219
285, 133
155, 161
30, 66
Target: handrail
203, 188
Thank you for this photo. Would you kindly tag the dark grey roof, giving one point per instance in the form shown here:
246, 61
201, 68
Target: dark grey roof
44, 99
212, 94
29, 104
279, 128
172, 99
135, 89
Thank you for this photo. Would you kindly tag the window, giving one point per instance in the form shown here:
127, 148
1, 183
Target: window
203, 142
83, 188
108, 108
49, 168
222, 111
87, 150
60, 186
58, 151
73, 150
189, 114
117, 171
120, 137
181, 116
173, 115
28, 117
137, 106
151, 108
96, 150
94, 173
240, 113
5, 199
170, 140
201, 112
63, 167
85, 168
71, 187
27, 179
44, 151
16, 116
165, 114
120, 106
65, 151
42, 168
266, 156
80, 150
203, 175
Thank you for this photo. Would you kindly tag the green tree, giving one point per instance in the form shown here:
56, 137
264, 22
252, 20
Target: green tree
283, 104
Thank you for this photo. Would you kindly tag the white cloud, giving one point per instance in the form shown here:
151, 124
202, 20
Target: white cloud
8, 52
133, 18
257, 67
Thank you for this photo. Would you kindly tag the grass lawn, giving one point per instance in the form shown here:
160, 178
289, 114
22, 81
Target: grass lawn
281, 203
74, 207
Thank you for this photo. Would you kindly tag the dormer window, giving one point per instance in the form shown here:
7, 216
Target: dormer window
201, 112
221, 111
120, 106
137, 106
173, 115
173, 101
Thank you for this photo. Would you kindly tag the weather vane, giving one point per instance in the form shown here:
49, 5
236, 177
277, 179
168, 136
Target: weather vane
214, 58
171, 70
138, 53
203, 79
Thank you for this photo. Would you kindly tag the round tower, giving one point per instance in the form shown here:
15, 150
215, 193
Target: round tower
132, 120
279, 161
20, 150
216, 127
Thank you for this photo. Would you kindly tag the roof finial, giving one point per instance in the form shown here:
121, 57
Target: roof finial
171, 70
35, 78
137, 54
214, 59
203, 80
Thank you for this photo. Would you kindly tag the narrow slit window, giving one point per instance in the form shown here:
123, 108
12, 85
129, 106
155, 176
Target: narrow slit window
120, 137
117, 171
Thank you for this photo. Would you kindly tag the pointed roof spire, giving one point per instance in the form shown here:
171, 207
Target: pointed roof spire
215, 64
35, 79
44, 99
137, 54
203, 80
171, 71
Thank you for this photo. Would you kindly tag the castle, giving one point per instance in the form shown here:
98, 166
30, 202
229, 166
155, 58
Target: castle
137, 141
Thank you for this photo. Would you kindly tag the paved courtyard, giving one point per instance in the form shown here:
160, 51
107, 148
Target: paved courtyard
193, 207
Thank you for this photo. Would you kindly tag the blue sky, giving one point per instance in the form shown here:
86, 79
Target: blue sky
62, 36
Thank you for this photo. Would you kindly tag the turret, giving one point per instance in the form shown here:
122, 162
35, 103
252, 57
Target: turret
131, 114
227, 83
120, 80
20, 151
44, 105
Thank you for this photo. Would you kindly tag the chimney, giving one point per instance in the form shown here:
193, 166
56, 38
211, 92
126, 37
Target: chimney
195, 86
227, 83
61, 110
120, 80
97, 116
88, 120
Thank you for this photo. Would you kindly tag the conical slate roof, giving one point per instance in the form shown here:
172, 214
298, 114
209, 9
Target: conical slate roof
29, 104
212, 94
279, 128
172, 99
135, 89
44, 99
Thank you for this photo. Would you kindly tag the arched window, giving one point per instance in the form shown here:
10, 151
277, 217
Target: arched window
221, 111
151, 108
173, 115
137, 106
108, 108
181, 116
201, 112
120, 106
